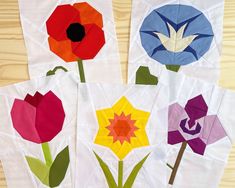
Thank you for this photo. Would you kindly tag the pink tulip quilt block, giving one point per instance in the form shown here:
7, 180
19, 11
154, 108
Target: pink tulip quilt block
38, 125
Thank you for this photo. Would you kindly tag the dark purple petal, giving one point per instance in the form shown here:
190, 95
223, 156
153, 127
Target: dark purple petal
175, 137
196, 108
197, 145
190, 131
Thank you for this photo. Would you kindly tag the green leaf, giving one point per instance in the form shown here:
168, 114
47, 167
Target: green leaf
59, 168
40, 169
174, 68
144, 77
108, 175
53, 72
130, 180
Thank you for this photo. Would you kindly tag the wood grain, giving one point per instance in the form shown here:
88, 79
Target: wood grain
13, 58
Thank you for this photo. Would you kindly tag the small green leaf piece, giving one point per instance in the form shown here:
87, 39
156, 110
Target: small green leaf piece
108, 175
130, 180
39, 169
53, 72
59, 168
174, 68
144, 77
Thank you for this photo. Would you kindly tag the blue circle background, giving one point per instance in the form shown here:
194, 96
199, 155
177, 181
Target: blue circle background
177, 14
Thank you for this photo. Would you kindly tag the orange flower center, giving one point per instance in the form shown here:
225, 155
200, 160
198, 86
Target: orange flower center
122, 128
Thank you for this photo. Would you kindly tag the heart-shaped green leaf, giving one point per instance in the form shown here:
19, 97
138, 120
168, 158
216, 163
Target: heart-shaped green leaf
144, 77
59, 168
40, 169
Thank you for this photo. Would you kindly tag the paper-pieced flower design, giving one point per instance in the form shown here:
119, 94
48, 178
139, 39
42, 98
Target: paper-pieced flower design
75, 32
121, 128
191, 125
176, 35
39, 119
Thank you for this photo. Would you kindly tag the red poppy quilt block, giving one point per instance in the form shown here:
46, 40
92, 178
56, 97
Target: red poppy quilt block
179, 36
37, 132
121, 137
71, 36
200, 131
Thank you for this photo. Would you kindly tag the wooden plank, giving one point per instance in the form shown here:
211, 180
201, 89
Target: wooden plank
13, 58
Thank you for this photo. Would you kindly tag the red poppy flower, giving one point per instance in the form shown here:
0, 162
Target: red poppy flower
38, 118
75, 32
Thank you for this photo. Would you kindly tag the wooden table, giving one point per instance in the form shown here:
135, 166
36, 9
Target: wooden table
13, 58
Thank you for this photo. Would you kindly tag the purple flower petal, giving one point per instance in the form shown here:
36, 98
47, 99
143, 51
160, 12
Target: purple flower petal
175, 114
197, 145
196, 108
175, 137
212, 129
196, 130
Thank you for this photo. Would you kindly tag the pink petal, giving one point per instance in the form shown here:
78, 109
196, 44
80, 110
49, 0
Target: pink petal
23, 118
212, 129
175, 114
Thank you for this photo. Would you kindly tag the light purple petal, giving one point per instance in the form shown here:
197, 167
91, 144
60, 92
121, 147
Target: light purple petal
197, 145
212, 129
175, 114
174, 137
196, 108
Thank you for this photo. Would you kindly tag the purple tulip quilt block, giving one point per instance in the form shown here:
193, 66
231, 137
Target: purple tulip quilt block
192, 125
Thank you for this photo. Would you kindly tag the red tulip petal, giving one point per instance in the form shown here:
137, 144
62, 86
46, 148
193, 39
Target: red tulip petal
34, 100
91, 44
23, 118
59, 21
50, 117
63, 49
88, 14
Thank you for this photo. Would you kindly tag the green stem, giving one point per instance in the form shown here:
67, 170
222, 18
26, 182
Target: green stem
177, 163
47, 153
52, 72
81, 71
120, 174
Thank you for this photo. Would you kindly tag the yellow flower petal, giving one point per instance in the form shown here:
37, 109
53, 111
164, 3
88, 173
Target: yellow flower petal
113, 138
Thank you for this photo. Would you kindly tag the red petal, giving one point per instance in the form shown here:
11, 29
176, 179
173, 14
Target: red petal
23, 118
50, 117
91, 44
59, 21
34, 100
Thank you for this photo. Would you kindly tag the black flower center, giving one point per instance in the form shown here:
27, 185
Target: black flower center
76, 32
